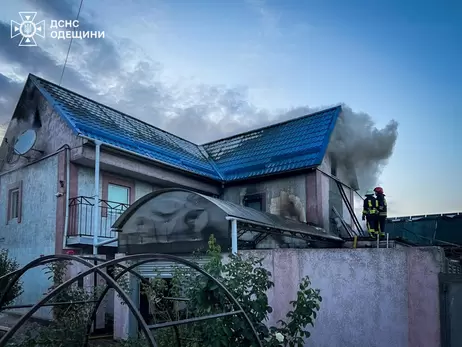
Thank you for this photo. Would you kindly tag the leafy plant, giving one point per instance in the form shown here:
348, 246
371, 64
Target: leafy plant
248, 281
70, 316
192, 295
8, 265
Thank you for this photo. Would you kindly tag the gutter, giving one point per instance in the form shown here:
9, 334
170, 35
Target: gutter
96, 211
163, 164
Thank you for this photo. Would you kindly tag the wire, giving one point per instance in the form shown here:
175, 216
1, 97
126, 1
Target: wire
69, 48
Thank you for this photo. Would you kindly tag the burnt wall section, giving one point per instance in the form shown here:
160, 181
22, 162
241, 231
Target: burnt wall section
285, 197
34, 112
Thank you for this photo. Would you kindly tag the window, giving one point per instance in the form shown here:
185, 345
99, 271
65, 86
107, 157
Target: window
118, 193
254, 201
118, 197
333, 166
14, 203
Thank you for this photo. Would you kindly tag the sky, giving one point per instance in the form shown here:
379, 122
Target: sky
207, 69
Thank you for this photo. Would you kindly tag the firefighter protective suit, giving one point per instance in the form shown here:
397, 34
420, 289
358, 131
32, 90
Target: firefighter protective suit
382, 216
370, 213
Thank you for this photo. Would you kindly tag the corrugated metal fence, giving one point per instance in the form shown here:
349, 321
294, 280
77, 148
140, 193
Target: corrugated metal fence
165, 269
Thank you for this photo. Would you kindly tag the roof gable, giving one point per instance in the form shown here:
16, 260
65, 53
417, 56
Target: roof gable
89, 118
292, 145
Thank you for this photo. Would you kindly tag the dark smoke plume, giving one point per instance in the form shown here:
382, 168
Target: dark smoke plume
361, 148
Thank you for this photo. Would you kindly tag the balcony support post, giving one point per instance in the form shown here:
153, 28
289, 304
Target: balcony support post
96, 210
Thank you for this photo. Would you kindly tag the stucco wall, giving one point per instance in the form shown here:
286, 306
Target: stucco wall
36, 233
86, 183
371, 297
283, 196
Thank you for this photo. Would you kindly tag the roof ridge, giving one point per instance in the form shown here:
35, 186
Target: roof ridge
274, 124
113, 109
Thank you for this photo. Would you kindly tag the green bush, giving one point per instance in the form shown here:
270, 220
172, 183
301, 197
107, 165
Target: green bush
7, 265
248, 281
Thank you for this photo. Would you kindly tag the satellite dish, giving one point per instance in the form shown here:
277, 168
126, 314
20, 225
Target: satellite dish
25, 142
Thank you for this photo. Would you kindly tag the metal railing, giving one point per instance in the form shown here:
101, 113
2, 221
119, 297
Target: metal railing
81, 216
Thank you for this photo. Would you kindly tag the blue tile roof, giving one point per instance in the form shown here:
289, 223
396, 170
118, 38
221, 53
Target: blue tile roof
99, 122
295, 144
291, 145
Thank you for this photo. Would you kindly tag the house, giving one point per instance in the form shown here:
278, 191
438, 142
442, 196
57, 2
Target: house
57, 140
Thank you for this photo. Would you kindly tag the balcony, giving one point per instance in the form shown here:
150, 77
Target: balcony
81, 220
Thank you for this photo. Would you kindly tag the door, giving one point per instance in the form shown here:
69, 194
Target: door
451, 310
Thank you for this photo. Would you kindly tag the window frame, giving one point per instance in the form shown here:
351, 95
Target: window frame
257, 197
13, 188
114, 180
109, 202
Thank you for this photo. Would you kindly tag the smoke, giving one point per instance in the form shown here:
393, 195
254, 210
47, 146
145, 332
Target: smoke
3, 128
361, 148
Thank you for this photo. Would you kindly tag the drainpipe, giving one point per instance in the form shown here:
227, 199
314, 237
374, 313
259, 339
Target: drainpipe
234, 236
68, 176
96, 211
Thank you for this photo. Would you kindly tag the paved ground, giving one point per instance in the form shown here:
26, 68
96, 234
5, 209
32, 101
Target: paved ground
7, 321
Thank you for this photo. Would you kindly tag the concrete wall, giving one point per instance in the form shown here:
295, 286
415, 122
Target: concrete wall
285, 197
282, 196
331, 193
371, 297
35, 235
86, 183
147, 171
307, 197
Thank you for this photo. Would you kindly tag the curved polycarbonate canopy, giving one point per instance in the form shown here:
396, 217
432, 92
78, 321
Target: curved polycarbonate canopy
177, 220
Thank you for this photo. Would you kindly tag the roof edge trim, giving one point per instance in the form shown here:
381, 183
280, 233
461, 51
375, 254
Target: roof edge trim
52, 102
273, 125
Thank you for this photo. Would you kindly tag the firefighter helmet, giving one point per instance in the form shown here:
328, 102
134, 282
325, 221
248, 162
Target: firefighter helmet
370, 192
378, 190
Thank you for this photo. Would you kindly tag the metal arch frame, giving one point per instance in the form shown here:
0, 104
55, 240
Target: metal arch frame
50, 295
111, 283
125, 269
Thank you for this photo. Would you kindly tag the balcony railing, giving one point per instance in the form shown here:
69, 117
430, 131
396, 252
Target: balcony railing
81, 216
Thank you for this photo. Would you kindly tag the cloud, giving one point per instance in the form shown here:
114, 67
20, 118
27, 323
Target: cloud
99, 56
10, 91
116, 73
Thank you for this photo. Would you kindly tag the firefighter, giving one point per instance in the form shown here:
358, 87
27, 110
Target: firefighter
382, 202
370, 213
